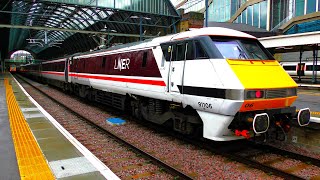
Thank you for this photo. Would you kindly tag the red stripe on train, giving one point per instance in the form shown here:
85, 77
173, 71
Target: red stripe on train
128, 80
137, 81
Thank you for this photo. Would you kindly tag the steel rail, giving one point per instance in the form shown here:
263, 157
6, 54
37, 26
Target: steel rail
289, 154
244, 160
211, 146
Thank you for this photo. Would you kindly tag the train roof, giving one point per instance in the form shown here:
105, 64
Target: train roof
209, 31
212, 31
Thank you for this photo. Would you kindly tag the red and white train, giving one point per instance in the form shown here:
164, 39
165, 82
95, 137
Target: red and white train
219, 81
304, 69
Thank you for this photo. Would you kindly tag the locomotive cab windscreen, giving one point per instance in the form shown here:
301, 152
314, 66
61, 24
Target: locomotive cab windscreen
241, 49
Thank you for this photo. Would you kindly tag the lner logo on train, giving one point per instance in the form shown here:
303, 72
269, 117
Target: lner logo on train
121, 63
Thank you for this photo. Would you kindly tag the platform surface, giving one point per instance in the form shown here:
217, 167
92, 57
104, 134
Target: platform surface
8, 161
64, 155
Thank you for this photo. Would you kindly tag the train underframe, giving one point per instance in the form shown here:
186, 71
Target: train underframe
170, 114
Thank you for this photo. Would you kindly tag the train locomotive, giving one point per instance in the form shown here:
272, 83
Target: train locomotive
219, 82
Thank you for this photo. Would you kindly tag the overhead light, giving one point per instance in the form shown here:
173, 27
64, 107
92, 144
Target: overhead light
137, 17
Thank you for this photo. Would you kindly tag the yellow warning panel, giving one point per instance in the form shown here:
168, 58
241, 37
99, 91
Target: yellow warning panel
31, 162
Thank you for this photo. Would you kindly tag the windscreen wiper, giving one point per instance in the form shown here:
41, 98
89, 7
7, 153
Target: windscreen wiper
241, 53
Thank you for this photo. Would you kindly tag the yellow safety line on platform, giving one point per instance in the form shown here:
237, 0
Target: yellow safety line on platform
31, 161
315, 113
311, 112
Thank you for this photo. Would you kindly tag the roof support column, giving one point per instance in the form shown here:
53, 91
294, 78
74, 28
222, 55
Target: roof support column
174, 26
269, 15
206, 18
300, 67
140, 28
315, 68
1, 62
45, 37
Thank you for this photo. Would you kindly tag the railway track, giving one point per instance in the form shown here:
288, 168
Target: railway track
216, 149
248, 153
245, 152
253, 154
77, 131
237, 156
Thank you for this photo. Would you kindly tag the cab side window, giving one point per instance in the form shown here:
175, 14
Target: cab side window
166, 50
173, 52
180, 51
190, 51
200, 52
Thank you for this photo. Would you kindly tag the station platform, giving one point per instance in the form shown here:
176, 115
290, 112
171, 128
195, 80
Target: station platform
309, 96
35, 146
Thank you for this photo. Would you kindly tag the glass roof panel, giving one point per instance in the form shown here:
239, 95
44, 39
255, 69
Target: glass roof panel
67, 25
61, 11
103, 14
310, 26
80, 14
85, 23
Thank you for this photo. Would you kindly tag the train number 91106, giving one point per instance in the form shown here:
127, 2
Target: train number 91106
205, 105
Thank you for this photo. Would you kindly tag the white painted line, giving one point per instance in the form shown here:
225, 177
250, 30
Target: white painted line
29, 109
104, 170
309, 85
28, 116
315, 120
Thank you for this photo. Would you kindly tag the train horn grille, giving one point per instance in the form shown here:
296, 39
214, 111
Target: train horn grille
280, 93
276, 93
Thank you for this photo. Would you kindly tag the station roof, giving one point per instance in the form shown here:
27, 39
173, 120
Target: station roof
292, 42
51, 28
254, 31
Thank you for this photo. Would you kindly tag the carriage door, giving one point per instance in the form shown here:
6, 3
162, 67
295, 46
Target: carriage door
177, 67
300, 70
66, 67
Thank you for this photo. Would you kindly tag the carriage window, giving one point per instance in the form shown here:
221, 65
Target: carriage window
289, 68
310, 68
103, 62
200, 53
144, 60
180, 52
190, 51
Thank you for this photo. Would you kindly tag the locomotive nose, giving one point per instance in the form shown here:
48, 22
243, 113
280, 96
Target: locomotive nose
303, 117
261, 123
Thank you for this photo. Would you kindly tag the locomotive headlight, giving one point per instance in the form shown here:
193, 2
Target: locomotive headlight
291, 92
235, 94
255, 94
